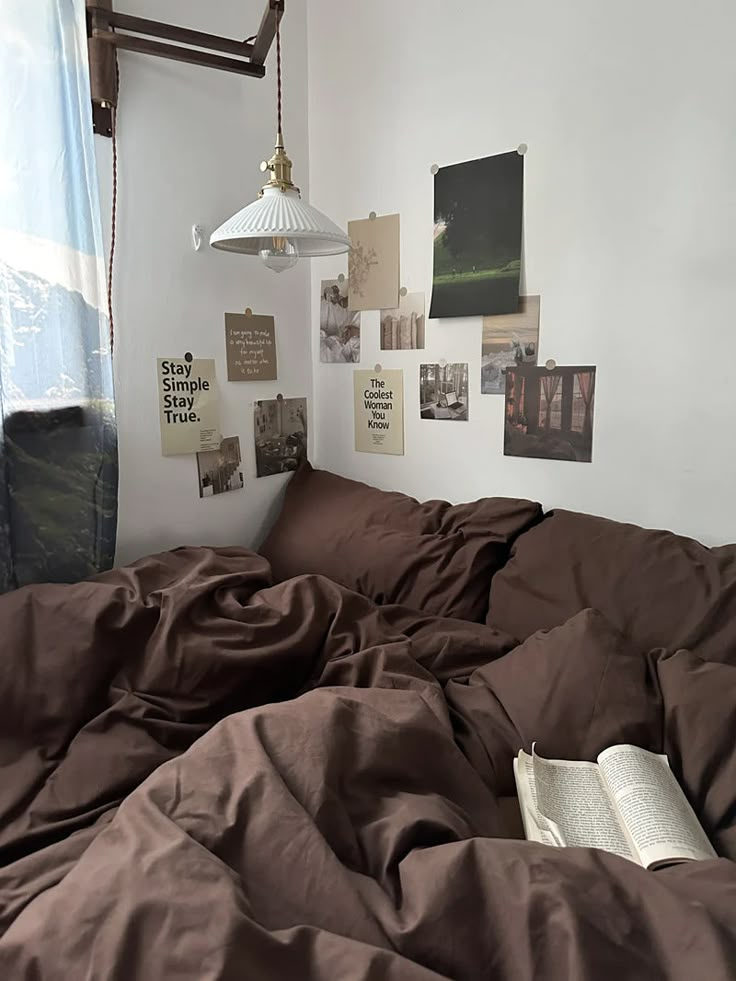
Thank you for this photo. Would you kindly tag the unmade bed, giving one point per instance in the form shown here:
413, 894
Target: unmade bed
217, 764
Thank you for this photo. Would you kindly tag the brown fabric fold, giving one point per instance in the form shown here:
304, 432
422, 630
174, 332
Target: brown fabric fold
658, 589
206, 776
434, 556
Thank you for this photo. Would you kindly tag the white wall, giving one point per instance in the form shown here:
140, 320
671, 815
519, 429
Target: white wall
190, 142
630, 232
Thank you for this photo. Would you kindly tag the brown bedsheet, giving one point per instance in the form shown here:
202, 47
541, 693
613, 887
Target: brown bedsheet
203, 776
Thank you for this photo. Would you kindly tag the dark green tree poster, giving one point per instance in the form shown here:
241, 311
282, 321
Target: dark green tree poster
477, 237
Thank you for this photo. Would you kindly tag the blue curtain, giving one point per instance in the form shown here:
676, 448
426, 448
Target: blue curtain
58, 442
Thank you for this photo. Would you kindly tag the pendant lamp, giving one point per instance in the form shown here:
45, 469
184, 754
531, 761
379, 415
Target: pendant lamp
280, 227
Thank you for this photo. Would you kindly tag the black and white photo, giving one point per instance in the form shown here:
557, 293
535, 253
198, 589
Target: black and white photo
443, 391
220, 470
280, 435
339, 327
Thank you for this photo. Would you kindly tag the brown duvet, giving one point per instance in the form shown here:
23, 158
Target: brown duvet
204, 776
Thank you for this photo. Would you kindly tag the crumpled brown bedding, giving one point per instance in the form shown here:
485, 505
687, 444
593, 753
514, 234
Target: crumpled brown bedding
206, 776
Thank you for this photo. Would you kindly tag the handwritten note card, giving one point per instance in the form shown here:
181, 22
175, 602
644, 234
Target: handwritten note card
250, 342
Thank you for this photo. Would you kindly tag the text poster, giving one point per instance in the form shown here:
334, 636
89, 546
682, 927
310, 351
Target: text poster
188, 406
250, 343
379, 411
477, 237
373, 263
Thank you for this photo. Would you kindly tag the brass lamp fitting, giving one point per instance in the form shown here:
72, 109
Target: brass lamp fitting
280, 168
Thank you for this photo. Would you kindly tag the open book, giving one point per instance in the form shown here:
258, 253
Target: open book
628, 803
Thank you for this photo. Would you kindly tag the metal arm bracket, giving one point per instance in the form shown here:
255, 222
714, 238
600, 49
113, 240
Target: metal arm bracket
108, 30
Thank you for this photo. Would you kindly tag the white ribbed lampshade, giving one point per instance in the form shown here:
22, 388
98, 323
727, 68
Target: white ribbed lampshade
280, 214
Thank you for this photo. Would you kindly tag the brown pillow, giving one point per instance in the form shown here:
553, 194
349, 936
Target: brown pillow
435, 557
574, 690
659, 589
700, 721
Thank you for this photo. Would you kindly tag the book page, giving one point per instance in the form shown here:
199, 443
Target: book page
535, 827
575, 798
653, 807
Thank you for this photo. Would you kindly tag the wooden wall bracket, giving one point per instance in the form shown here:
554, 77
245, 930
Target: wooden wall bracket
108, 30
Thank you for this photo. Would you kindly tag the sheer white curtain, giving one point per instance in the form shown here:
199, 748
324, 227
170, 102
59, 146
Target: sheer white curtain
58, 447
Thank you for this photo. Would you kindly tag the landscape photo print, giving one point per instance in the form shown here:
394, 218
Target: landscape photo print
508, 340
549, 412
477, 237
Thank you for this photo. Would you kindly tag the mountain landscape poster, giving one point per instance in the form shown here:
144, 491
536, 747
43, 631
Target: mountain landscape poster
477, 237
59, 475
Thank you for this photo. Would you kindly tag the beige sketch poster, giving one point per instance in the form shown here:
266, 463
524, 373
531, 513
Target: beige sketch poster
189, 410
379, 411
373, 263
